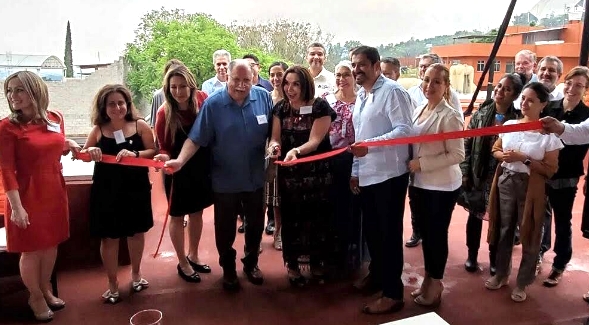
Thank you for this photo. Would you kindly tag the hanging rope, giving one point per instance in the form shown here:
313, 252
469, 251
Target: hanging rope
489, 63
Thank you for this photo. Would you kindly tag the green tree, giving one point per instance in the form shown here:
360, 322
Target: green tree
283, 38
167, 34
67, 59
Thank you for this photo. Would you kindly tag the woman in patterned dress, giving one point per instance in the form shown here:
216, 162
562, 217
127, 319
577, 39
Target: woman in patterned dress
300, 128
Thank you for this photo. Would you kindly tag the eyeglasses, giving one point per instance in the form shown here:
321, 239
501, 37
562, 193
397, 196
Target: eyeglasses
570, 84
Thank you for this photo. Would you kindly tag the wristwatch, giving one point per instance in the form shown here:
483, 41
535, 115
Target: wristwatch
136, 153
527, 162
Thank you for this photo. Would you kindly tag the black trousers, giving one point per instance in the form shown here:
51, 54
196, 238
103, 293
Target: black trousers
383, 206
435, 212
347, 221
226, 208
562, 201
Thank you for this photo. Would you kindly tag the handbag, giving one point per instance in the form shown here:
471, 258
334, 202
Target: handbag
472, 200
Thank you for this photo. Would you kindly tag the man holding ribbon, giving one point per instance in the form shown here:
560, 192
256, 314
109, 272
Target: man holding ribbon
380, 176
233, 122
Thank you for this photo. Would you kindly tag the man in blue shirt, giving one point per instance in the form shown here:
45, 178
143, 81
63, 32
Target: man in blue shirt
380, 175
233, 122
257, 80
221, 59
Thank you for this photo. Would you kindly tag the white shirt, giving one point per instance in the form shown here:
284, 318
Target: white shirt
384, 113
532, 144
324, 83
576, 134
556, 94
416, 93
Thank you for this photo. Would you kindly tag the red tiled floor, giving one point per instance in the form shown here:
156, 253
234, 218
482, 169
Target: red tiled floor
465, 301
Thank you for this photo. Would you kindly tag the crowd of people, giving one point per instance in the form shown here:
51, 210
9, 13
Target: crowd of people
220, 145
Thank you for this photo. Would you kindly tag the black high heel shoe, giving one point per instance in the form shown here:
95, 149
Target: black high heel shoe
194, 277
200, 268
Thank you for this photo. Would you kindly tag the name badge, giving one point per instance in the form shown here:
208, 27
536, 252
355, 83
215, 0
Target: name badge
306, 110
53, 127
262, 119
119, 136
331, 99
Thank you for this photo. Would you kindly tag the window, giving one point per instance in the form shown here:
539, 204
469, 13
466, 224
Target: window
455, 61
480, 65
497, 66
509, 67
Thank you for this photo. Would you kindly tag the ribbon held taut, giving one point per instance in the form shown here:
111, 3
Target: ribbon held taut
480, 132
126, 161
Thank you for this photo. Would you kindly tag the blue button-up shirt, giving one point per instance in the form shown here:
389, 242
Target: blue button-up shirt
211, 85
384, 113
265, 84
237, 137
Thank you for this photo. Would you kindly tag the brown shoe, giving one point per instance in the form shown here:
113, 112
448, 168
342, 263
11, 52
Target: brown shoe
383, 305
553, 279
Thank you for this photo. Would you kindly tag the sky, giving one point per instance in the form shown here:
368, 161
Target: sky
101, 28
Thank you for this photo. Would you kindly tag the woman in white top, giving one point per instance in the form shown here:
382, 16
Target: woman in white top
436, 179
528, 159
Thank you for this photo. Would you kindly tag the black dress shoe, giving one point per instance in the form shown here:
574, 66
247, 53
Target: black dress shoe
413, 241
200, 268
270, 228
230, 281
254, 275
194, 277
471, 265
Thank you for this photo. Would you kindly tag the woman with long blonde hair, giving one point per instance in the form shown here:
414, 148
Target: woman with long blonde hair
33, 141
189, 189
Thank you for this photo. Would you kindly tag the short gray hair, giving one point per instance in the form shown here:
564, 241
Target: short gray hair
221, 53
346, 64
552, 58
239, 62
528, 54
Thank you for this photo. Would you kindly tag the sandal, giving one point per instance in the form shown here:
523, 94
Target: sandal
140, 285
278, 242
586, 297
518, 295
495, 283
111, 297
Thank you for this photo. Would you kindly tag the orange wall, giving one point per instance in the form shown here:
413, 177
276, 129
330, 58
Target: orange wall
470, 53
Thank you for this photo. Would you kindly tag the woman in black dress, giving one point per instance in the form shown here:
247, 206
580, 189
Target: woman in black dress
120, 197
190, 189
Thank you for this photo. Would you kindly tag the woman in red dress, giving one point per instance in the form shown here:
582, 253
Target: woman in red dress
36, 217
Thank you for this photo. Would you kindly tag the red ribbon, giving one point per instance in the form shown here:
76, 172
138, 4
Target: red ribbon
480, 132
126, 161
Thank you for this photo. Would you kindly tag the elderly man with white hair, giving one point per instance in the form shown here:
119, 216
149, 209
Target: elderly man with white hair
221, 59
233, 122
